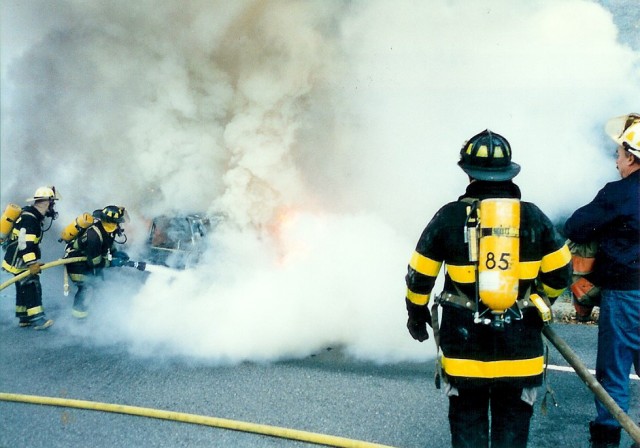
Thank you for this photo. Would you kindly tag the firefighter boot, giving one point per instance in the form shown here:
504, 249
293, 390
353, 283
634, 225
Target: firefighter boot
41, 323
604, 436
79, 309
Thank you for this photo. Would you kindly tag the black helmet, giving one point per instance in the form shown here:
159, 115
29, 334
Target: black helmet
111, 213
487, 156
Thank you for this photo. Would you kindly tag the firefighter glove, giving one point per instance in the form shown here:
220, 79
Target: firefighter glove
35, 268
119, 258
418, 330
139, 265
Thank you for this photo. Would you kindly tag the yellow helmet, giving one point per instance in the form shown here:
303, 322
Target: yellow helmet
625, 131
43, 194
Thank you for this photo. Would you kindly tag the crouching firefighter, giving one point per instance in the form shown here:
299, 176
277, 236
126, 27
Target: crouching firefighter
97, 243
504, 266
23, 253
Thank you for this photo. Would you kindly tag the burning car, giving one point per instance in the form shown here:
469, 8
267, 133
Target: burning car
178, 241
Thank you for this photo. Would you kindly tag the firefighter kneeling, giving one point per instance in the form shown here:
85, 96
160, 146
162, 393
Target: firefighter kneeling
97, 243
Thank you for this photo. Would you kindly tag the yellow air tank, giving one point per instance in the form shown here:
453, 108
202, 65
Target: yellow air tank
9, 217
71, 231
499, 253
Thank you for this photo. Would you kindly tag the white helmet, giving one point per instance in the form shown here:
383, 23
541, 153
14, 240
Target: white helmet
625, 131
44, 193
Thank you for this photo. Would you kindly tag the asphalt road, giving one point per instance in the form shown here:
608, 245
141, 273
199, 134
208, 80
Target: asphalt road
327, 393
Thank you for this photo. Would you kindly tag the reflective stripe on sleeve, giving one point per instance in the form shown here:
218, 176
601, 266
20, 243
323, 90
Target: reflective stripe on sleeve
418, 299
29, 256
529, 270
551, 292
425, 265
493, 369
556, 260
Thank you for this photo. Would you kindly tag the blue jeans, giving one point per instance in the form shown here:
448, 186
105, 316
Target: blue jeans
618, 348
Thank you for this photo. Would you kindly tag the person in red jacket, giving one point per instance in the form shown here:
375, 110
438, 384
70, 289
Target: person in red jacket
504, 265
612, 221
23, 253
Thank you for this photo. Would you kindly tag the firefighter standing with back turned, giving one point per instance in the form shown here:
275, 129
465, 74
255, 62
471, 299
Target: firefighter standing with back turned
23, 253
504, 265
612, 221
97, 244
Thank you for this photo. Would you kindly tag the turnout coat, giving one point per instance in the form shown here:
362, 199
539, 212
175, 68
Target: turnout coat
473, 353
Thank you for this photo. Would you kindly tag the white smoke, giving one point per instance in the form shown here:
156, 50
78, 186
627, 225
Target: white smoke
327, 133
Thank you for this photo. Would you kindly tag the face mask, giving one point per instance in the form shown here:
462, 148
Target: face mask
51, 213
110, 227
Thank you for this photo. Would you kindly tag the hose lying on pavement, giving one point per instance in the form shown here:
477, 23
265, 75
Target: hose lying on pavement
51, 264
273, 431
593, 384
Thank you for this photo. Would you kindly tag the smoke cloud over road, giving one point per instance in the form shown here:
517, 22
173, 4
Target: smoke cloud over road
326, 132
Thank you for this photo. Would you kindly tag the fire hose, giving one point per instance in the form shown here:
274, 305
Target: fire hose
273, 431
592, 383
51, 264
140, 265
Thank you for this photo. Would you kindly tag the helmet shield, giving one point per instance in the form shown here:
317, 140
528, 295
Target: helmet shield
487, 156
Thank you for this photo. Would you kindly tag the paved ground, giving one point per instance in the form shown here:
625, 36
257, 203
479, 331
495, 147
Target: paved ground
326, 393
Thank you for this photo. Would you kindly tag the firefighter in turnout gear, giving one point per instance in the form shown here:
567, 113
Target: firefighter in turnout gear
505, 264
23, 253
97, 243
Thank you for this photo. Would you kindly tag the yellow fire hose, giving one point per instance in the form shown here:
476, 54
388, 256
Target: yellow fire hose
592, 383
273, 431
51, 264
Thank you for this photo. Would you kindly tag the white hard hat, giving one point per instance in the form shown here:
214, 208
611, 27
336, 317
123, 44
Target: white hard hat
44, 193
625, 131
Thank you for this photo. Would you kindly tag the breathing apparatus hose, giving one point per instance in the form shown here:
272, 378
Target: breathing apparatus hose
273, 431
51, 264
592, 383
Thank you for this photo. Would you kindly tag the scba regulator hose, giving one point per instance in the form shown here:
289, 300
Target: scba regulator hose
273, 431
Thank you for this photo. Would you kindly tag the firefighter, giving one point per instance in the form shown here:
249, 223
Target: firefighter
23, 253
612, 221
97, 243
503, 260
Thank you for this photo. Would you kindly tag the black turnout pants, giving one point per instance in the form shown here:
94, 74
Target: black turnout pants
469, 418
29, 298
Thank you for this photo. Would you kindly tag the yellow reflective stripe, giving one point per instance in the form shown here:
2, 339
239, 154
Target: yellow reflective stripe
21, 309
35, 310
551, 292
77, 277
30, 256
493, 369
556, 259
462, 274
425, 265
7, 267
96, 260
31, 238
418, 299
529, 269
